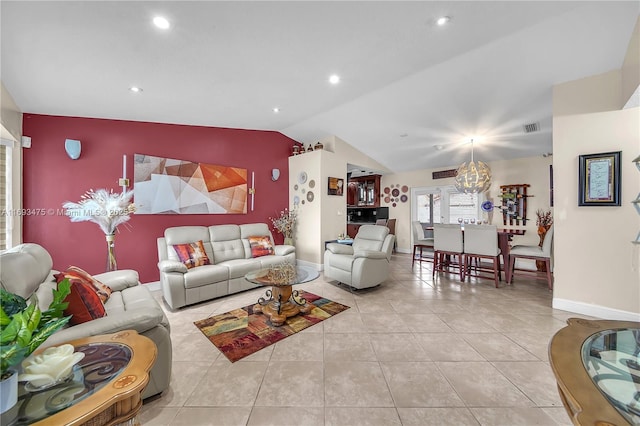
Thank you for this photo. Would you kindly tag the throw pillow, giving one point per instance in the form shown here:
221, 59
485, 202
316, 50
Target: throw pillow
192, 254
261, 246
75, 273
84, 303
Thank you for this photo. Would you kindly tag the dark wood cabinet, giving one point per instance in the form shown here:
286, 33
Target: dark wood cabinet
352, 230
352, 191
364, 191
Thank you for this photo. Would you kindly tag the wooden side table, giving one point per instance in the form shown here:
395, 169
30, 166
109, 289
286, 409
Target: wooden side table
105, 387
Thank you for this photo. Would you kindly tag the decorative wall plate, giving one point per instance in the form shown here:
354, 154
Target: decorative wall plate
312, 183
302, 177
310, 196
404, 198
395, 192
296, 199
295, 187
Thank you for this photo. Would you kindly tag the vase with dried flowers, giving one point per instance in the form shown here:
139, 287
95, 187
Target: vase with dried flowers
108, 210
544, 221
285, 224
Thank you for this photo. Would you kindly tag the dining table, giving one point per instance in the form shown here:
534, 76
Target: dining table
505, 235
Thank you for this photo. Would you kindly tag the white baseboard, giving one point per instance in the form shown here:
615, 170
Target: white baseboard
594, 310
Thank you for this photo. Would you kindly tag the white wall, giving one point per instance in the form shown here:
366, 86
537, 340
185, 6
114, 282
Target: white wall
631, 65
325, 217
596, 263
307, 232
10, 114
597, 270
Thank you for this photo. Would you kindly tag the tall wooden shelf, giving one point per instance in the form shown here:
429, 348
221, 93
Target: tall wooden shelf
514, 204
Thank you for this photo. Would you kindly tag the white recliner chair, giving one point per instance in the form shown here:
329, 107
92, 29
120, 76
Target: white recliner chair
365, 263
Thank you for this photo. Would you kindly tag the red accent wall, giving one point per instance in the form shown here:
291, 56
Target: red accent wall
51, 178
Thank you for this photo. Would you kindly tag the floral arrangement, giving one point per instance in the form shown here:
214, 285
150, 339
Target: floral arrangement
286, 222
544, 218
108, 209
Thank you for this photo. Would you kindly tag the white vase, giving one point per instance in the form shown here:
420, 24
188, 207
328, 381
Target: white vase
9, 391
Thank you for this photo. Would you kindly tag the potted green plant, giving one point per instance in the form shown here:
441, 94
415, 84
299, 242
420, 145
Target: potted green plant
24, 328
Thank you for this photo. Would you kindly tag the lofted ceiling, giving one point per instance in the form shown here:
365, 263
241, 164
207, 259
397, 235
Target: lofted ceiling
407, 85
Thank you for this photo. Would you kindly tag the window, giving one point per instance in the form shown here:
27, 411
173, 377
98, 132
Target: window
463, 207
427, 208
6, 219
3, 197
445, 205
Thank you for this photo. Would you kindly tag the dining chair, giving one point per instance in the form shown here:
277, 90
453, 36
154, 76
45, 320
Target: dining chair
447, 241
420, 241
535, 253
481, 242
391, 224
382, 222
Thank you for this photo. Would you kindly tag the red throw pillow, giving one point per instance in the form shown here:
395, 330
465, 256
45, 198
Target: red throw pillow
73, 272
192, 254
84, 303
261, 246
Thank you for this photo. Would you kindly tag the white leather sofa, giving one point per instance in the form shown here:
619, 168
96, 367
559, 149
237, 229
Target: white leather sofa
363, 264
26, 270
229, 252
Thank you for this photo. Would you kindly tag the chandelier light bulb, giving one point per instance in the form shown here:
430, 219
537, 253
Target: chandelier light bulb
161, 22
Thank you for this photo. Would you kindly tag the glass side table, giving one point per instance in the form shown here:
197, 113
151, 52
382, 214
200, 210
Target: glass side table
99, 389
597, 367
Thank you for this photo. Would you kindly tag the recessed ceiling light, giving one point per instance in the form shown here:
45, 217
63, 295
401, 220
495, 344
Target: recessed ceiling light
135, 89
334, 79
438, 147
161, 22
443, 20
276, 109
404, 135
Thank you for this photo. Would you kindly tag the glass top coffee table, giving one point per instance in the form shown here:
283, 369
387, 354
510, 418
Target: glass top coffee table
105, 387
281, 301
597, 367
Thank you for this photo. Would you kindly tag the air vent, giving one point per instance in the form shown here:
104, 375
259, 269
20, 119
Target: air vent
531, 127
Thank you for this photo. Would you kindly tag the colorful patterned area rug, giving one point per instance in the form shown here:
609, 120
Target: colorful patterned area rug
241, 332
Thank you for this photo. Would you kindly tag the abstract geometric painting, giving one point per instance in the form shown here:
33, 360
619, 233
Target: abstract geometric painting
169, 186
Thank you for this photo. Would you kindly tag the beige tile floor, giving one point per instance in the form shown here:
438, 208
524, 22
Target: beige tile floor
412, 351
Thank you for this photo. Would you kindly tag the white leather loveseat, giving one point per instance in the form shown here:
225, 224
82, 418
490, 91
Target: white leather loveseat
26, 270
229, 252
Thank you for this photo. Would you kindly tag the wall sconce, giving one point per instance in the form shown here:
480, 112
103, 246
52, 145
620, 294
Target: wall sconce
73, 148
275, 174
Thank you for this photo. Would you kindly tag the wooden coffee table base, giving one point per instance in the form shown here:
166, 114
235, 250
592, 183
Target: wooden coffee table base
283, 302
